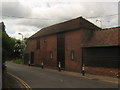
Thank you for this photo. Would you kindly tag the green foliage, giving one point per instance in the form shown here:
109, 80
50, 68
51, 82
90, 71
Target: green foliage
7, 46
11, 47
25, 40
18, 61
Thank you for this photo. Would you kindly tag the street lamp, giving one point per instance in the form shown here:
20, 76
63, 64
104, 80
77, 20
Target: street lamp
22, 43
22, 35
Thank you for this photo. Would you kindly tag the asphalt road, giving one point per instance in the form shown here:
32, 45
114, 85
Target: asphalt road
38, 78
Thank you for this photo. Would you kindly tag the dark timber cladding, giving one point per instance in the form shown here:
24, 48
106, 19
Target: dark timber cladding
61, 49
107, 57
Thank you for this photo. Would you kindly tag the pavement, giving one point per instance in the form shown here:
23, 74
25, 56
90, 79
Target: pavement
87, 75
49, 78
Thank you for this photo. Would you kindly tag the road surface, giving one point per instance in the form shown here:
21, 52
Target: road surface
41, 78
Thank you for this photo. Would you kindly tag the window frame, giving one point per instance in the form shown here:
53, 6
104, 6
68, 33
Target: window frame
51, 55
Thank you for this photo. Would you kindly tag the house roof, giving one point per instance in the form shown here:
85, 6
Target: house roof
73, 24
104, 37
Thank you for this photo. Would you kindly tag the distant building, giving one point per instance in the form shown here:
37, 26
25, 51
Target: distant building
74, 43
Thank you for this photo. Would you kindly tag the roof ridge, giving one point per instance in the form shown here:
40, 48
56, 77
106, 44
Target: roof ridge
68, 25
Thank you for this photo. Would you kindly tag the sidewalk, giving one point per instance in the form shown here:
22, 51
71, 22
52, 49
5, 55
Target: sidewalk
88, 76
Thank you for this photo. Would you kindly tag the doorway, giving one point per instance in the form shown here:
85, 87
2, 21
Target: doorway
61, 50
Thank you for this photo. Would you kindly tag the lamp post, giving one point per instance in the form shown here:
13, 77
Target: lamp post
22, 36
22, 43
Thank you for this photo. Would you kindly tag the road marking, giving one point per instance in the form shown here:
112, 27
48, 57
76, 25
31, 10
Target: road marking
21, 81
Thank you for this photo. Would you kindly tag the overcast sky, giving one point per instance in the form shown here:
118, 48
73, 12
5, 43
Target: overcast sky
29, 16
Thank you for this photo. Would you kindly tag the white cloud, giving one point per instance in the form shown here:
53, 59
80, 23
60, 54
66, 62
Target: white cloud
39, 14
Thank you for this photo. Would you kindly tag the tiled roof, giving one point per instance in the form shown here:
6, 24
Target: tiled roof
66, 26
104, 37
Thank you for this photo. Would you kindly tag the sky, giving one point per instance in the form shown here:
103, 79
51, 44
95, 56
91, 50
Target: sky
29, 16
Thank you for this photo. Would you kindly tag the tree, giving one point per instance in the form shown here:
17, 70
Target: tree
8, 44
11, 47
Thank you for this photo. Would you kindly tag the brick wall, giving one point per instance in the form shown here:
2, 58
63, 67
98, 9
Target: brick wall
51, 46
75, 40
72, 42
32, 45
47, 44
102, 71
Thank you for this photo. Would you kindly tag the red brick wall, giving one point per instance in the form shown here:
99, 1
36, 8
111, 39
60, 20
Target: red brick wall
72, 42
43, 53
102, 71
51, 46
118, 37
32, 45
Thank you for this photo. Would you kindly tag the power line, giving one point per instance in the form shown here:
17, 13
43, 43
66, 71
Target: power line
104, 16
25, 17
54, 19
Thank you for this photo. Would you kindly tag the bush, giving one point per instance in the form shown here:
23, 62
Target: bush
18, 61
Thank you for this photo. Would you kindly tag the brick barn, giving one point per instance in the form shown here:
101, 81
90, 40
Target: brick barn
74, 43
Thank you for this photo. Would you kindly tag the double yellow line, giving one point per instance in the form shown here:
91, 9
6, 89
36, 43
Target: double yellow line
21, 81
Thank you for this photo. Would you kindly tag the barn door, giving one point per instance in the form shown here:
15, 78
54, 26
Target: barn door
61, 50
32, 58
107, 57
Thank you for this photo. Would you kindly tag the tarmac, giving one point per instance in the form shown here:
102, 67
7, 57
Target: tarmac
12, 83
88, 76
76, 74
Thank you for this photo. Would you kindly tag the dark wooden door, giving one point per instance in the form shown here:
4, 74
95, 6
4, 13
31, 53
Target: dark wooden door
102, 56
26, 58
61, 50
32, 57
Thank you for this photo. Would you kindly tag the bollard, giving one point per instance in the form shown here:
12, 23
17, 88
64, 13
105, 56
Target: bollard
42, 65
29, 63
83, 70
59, 65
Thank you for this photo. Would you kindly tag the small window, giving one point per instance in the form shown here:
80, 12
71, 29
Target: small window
38, 44
72, 55
51, 55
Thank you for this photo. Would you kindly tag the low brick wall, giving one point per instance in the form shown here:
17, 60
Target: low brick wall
103, 71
